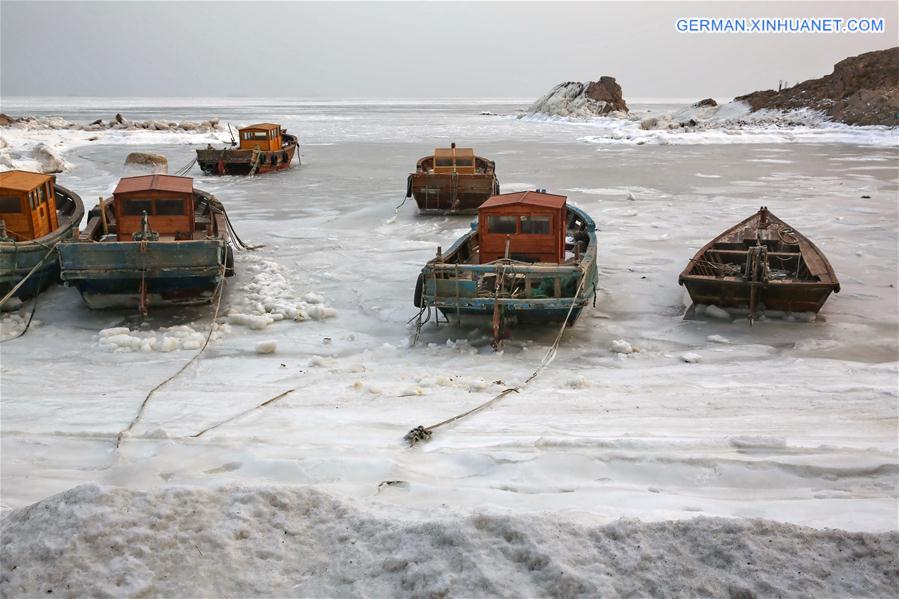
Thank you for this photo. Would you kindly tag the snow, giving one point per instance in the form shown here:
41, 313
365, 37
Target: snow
790, 420
273, 541
730, 123
36, 145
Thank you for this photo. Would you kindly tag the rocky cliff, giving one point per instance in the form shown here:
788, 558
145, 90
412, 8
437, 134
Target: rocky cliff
862, 90
581, 100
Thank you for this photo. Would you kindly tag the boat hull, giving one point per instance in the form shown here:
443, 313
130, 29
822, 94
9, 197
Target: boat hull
18, 259
779, 296
39, 281
448, 193
242, 162
118, 274
521, 311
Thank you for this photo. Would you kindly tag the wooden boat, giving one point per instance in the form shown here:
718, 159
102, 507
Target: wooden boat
452, 180
762, 263
35, 215
157, 241
529, 258
263, 147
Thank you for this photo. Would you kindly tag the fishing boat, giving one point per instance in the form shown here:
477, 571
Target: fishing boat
156, 242
760, 264
35, 215
262, 148
529, 258
452, 181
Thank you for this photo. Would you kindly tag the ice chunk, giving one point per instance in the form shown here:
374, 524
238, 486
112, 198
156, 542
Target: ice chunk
266, 347
716, 312
620, 346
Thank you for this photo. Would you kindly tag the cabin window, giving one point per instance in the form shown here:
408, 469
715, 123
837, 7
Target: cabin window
535, 225
447, 161
466, 162
41, 196
10, 205
170, 207
501, 224
136, 207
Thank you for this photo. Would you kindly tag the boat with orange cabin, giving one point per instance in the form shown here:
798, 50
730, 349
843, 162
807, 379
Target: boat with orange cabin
157, 242
261, 148
452, 181
530, 257
35, 215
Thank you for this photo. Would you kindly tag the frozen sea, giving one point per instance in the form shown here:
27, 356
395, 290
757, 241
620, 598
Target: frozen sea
787, 420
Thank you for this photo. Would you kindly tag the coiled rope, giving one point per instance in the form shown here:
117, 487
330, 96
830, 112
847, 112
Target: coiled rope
423, 433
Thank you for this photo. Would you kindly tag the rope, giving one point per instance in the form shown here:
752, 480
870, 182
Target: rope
27, 324
216, 206
219, 290
245, 412
423, 433
28, 276
186, 168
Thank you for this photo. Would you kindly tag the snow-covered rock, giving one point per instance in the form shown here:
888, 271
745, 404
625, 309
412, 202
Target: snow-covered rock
574, 99
146, 162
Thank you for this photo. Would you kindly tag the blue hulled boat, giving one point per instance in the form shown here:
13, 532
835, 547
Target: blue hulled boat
529, 258
35, 216
156, 242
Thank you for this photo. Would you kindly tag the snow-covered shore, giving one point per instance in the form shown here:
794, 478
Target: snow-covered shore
730, 123
275, 541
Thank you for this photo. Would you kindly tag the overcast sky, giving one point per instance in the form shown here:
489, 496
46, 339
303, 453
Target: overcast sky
409, 49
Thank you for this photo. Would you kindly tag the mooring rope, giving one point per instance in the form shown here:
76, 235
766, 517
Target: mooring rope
26, 277
220, 292
423, 433
245, 412
216, 206
27, 324
186, 168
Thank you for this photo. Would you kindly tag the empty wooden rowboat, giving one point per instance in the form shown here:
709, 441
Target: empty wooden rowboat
760, 264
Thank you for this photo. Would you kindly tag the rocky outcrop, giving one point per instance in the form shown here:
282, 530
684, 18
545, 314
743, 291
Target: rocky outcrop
118, 122
862, 90
582, 100
705, 102
147, 162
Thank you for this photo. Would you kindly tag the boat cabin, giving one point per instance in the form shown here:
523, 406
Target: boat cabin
27, 204
532, 223
262, 136
166, 199
454, 160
